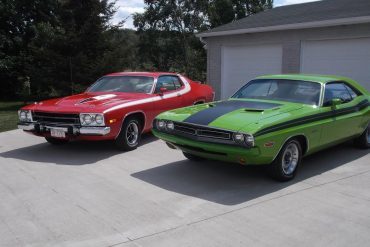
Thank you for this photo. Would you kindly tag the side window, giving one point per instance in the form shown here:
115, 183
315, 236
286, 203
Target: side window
177, 82
168, 82
336, 91
351, 92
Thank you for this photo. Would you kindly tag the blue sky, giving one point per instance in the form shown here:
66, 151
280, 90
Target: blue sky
127, 7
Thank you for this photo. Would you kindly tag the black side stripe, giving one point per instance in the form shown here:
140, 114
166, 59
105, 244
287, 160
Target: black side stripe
218, 109
317, 117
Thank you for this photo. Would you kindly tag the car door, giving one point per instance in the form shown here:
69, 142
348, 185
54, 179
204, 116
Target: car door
345, 120
171, 98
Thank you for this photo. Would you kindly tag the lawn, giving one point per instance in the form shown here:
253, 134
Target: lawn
9, 115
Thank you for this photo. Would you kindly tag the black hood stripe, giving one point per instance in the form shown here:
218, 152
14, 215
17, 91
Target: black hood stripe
219, 109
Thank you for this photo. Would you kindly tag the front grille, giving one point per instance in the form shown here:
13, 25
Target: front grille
202, 131
56, 118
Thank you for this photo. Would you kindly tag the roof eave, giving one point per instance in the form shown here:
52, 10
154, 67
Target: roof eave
303, 25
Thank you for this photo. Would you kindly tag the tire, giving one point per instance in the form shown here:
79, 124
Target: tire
363, 141
56, 141
285, 165
193, 157
129, 137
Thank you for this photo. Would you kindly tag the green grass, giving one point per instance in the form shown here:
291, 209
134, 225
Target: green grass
9, 115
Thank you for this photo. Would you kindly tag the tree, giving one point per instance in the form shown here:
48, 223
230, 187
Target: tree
167, 29
55, 44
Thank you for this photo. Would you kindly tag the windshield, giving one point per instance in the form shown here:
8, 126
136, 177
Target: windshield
283, 90
124, 84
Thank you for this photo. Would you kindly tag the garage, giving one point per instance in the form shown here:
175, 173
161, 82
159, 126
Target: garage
332, 39
243, 63
347, 57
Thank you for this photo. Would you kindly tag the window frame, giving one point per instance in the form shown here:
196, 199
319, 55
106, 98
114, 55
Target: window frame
346, 84
174, 76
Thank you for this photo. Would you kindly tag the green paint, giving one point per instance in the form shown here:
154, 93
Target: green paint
321, 127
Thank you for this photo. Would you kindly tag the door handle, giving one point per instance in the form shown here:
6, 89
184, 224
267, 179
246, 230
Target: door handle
179, 94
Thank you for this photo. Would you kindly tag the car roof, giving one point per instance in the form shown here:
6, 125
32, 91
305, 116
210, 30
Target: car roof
151, 74
306, 77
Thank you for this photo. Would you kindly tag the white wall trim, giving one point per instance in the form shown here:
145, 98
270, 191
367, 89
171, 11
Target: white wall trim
313, 24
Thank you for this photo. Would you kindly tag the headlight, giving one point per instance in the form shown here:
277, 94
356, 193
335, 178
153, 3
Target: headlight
25, 116
170, 126
249, 140
243, 139
161, 124
92, 119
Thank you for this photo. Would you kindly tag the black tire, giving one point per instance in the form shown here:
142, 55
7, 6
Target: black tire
123, 141
193, 157
363, 141
282, 171
56, 141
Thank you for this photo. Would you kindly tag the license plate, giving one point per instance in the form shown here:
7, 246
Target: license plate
57, 133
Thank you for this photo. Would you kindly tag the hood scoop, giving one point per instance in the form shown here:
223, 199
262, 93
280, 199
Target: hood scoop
253, 110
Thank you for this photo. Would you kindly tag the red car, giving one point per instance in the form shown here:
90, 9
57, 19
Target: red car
119, 107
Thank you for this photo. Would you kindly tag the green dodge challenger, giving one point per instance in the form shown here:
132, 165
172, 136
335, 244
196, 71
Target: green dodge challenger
274, 119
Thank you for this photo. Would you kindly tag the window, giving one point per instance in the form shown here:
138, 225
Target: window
352, 92
124, 84
304, 92
171, 83
337, 90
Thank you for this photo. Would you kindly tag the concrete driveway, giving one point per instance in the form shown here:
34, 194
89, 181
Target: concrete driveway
88, 194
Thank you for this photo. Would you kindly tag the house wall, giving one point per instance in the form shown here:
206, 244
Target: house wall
290, 40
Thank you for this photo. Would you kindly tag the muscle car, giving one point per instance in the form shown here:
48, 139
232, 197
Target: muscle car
275, 120
118, 106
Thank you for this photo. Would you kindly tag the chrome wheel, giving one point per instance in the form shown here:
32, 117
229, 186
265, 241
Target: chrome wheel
132, 134
290, 158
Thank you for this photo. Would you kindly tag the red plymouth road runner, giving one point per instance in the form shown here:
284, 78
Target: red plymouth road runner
119, 107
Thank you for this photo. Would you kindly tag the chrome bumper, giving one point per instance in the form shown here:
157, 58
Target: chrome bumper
102, 131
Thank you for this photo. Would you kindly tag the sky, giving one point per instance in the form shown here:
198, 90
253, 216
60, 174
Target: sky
125, 9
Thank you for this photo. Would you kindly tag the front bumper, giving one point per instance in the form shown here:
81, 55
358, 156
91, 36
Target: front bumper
70, 130
222, 152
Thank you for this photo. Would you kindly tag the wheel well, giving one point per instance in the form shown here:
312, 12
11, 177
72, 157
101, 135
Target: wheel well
303, 141
199, 102
139, 116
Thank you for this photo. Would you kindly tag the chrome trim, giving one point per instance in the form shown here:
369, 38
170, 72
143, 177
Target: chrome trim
48, 127
27, 127
95, 130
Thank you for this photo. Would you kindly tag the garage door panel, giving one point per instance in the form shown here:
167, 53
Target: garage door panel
240, 64
349, 57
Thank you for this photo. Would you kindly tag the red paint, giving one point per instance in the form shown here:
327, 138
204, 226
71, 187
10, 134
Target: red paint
124, 104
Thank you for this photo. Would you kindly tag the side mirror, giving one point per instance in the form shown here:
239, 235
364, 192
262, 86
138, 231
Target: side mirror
335, 102
162, 90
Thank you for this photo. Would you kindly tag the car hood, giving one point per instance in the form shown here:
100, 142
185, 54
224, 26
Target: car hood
236, 115
97, 102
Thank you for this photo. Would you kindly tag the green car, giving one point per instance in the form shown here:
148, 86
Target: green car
274, 119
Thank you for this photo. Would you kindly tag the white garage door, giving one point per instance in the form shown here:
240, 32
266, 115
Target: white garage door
350, 57
240, 64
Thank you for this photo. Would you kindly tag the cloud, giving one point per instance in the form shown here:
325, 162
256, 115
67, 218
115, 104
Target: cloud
288, 2
125, 9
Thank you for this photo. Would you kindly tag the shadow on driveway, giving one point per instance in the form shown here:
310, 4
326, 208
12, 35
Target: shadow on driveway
231, 184
73, 153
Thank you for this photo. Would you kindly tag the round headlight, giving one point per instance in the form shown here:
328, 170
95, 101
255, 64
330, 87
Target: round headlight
29, 115
238, 138
161, 124
170, 126
87, 119
23, 115
99, 119
249, 140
